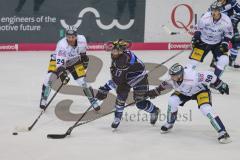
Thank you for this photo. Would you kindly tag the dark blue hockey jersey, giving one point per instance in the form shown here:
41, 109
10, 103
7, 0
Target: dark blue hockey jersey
230, 7
127, 69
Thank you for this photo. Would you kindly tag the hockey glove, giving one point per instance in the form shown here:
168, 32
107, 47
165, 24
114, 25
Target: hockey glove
195, 42
224, 47
85, 61
153, 93
62, 74
221, 86
196, 39
236, 38
102, 93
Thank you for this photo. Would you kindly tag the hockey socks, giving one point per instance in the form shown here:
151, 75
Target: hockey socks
88, 91
44, 96
171, 118
150, 108
216, 123
233, 57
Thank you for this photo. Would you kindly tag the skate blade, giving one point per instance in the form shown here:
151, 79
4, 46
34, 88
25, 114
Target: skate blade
114, 130
164, 132
225, 140
169, 129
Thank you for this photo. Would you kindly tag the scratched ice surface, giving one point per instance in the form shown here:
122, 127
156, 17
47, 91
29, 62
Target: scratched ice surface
192, 137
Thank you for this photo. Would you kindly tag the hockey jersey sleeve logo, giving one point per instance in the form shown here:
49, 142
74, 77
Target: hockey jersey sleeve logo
200, 77
62, 53
114, 23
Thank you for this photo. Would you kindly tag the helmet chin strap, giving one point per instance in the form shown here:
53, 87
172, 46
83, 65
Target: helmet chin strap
179, 80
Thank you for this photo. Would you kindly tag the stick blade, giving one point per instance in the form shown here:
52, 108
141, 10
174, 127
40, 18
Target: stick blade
56, 136
21, 129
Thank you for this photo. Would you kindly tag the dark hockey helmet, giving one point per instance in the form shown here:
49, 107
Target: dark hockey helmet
216, 6
118, 47
222, 1
71, 32
120, 44
176, 70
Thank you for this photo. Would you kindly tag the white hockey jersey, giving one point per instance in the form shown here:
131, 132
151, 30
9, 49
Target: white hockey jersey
213, 32
193, 82
65, 52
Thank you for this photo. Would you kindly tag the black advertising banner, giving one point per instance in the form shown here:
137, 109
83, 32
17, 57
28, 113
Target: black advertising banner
43, 21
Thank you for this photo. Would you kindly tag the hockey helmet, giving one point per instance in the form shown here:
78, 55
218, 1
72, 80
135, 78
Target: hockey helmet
176, 70
216, 6
222, 1
71, 32
120, 44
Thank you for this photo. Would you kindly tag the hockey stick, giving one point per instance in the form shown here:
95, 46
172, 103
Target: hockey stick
76, 124
167, 30
79, 124
68, 132
25, 129
170, 32
175, 55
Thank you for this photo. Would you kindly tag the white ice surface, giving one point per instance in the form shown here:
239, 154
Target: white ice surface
20, 83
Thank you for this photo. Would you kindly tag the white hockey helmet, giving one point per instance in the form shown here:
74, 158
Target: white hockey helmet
176, 70
216, 6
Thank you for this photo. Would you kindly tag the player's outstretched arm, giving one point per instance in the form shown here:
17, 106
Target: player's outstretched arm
210, 78
103, 90
157, 91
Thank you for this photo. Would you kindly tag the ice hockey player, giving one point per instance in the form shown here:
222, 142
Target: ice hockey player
70, 55
232, 9
214, 31
127, 72
191, 85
